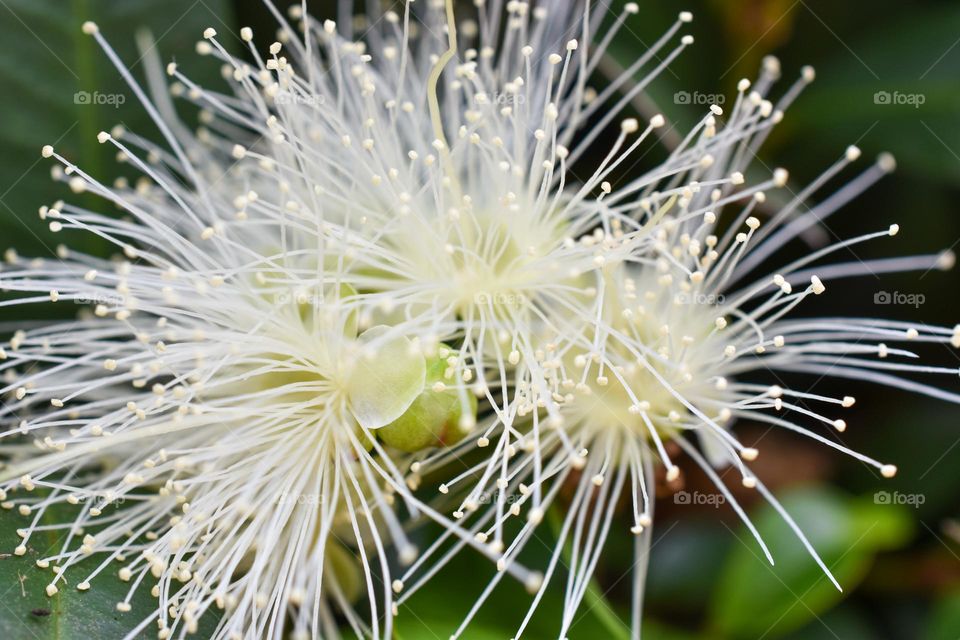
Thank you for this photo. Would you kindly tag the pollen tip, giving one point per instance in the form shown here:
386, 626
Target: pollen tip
533, 582
946, 260
780, 177
887, 162
46, 151
535, 516
888, 470
817, 285
90, 28
407, 555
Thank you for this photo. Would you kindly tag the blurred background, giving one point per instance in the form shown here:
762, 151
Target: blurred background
888, 79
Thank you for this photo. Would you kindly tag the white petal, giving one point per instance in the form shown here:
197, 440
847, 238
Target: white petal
386, 379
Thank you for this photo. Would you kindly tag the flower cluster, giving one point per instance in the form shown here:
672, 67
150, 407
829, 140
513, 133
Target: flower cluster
411, 240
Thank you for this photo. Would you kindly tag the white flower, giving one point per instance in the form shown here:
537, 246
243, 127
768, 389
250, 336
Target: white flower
232, 417
376, 230
602, 321
228, 389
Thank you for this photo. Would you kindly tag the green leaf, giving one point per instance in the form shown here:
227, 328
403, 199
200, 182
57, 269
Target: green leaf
754, 599
945, 619
926, 480
898, 91
686, 563
439, 607
845, 621
53, 75
45, 62
27, 612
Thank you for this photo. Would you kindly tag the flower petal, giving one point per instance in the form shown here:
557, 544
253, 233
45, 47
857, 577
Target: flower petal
386, 378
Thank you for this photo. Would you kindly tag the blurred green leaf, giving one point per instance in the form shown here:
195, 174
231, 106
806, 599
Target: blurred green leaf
945, 619
437, 609
841, 622
927, 470
754, 599
431, 628
60, 89
892, 88
686, 563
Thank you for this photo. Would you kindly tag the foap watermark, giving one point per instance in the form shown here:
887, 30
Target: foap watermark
899, 298
698, 498
699, 298
311, 100
98, 499
506, 99
898, 98
300, 298
99, 98
94, 298
499, 497
500, 299
907, 499
698, 98
302, 499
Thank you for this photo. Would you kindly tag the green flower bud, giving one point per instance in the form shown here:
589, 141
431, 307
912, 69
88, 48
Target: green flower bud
434, 418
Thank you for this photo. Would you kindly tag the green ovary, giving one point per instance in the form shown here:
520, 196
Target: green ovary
434, 418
